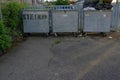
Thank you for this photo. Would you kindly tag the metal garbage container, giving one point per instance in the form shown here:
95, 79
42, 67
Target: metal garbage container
65, 21
36, 21
97, 21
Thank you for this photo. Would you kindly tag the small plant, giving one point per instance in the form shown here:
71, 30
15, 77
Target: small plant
57, 41
118, 30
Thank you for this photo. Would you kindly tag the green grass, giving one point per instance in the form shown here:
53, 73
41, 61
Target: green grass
56, 42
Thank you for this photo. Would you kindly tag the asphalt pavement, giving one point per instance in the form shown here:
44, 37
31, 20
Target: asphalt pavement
62, 58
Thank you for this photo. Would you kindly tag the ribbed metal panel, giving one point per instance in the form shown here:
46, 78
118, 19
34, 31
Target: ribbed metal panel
43, 25
97, 21
65, 21
36, 21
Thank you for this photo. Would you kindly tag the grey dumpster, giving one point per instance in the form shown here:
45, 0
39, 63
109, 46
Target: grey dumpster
36, 21
65, 21
97, 21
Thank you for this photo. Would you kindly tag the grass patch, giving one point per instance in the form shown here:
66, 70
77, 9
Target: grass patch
56, 42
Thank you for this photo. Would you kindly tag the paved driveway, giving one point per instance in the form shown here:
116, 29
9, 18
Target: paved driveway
68, 58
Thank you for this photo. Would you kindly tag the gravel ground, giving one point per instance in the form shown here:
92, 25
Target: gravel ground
62, 58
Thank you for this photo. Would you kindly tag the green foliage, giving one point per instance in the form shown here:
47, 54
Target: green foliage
56, 42
12, 17
5, 39
62, 2
11, 14
49, 3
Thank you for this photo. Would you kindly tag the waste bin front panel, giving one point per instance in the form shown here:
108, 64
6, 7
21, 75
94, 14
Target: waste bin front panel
65, 20
36, 21
97, 21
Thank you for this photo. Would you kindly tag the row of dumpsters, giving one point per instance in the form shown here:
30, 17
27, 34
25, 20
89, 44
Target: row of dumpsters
69, 19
